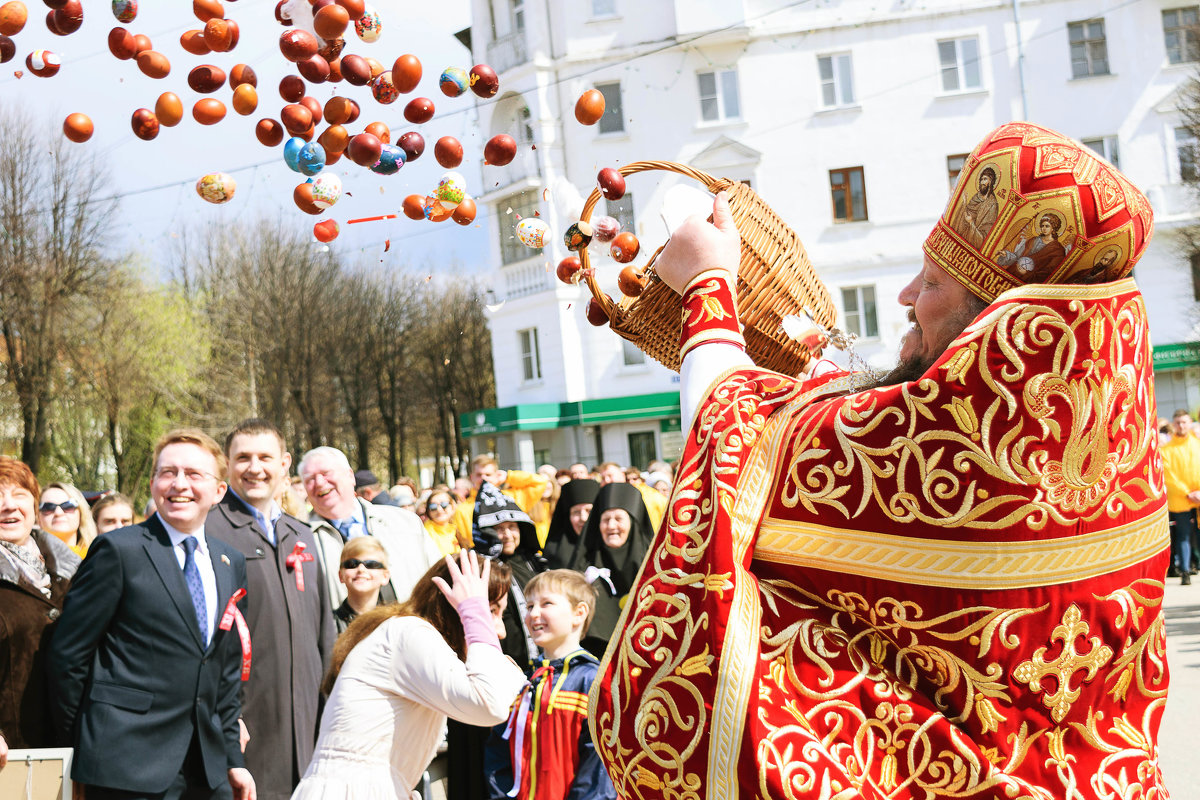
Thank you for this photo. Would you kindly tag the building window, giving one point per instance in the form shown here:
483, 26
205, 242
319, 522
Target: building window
837, 80
719, 95
622, 211
849, 194
613, 120
1195, 260
858, 303
531, 357
1089, 52
642, 450
1185, 147
526, 205
1105, 147
960, 64
604, 8
1180, 34
954, 166
518, 14
631, 355
524, 132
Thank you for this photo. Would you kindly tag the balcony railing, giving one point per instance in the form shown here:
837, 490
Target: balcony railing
525, 279
507, 51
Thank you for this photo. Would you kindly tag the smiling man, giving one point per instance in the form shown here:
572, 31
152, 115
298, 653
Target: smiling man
339, 516
145, 660
947, 584
290, 613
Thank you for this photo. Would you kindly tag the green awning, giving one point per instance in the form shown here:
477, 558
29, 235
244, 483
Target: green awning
541, 416
1176, 356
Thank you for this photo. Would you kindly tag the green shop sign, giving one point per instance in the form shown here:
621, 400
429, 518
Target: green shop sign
1176, 356
540, 416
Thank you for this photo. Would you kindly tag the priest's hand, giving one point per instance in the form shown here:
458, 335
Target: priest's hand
242, 784
699, 245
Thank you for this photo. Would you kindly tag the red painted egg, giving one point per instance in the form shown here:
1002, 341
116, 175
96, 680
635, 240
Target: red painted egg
380, 131
364, 149
568, 270
242, 73
43, 63
611, 183
448, 151
297, 44
484, 80
406, 73
154, 64
8, 49
296, 118
193, 42
464, 212
589, 108
355, 8
291, 88
269, 132
220, 35
145, 124
631, 281
121, 43
206, 78
337, 110
208, 111
302, 195
330, 21
327, 229
595, 312
624, 248
141, 43
314, 68
78, 127
419, 110
414, 206
313, 107
413, 145
356, 70
500, 150
208, 9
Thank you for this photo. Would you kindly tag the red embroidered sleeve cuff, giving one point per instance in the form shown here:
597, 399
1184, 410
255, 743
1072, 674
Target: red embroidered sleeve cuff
709, 312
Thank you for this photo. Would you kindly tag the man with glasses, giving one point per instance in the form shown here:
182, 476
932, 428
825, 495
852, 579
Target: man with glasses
290, 617
339, 516
146, 661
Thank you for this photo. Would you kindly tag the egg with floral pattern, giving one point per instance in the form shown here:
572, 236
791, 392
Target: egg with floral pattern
533, 232
369, 26
216, 187
125, 10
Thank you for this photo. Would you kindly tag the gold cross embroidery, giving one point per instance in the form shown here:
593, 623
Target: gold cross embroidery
1063, 668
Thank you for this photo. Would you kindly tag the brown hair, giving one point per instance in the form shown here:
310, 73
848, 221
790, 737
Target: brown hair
192, 436
253, 427
110, 499
571, 585
483, 461
426, 602
15, 472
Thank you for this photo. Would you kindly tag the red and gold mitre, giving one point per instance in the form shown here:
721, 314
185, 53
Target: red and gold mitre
945, 588
1034, 206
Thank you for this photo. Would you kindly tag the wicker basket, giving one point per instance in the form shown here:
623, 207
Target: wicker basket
775, 279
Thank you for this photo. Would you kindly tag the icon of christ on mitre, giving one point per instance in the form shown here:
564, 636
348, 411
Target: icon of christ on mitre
946, 584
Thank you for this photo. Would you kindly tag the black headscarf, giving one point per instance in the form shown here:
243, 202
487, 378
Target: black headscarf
561, 541
620, 564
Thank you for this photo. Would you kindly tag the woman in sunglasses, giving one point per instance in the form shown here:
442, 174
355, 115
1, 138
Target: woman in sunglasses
363, 569
64, 512
439, 513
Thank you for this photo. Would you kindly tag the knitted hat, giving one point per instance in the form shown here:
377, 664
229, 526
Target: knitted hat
1033, 206
491, 508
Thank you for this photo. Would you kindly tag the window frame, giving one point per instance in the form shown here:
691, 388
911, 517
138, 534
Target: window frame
630, 350
847, 187
604, 14
838, 75
623, 211
531, 354
862, 307
1194, 261
1109, 148
525, 203
1087, 42
952, 173
616, 112
1188, 36
721, 96
1188, 139
960, 65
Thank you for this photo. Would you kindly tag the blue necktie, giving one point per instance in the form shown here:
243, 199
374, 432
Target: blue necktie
191, 574
343, 526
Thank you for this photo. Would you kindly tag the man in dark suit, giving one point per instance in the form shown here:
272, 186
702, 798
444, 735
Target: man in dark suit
146, 659
289, 614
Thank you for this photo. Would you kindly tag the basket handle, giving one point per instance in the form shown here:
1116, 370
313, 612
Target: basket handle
712, 184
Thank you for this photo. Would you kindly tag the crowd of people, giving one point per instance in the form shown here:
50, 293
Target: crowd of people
269, 635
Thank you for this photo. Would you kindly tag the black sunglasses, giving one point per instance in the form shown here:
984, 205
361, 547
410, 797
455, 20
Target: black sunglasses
352, 563
65, 506
439, 505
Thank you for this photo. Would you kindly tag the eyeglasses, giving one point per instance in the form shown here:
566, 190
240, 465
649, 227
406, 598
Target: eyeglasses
190, 475
66, 506
352, 563
438, 505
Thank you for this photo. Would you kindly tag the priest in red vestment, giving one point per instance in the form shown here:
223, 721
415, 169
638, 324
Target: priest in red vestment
947, 583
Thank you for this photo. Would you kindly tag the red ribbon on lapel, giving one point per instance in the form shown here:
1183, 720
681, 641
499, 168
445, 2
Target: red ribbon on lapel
295, 562
233, 615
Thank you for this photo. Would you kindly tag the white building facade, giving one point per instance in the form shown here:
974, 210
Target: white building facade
849, 118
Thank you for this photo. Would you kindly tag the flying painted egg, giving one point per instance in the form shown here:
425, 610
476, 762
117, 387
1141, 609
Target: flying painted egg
451, 189
578, 236
291, 152
125, 10
605, 229
391, 159
454, 81
326, 230
326, 189
383, 89
311, 159
369, 26
43, 63
533, 232
216, 187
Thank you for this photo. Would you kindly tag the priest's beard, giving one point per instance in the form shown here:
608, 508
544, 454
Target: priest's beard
916, 365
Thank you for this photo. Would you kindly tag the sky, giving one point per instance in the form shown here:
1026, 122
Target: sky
156, 180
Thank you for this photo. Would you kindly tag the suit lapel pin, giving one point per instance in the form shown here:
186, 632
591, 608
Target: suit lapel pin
224, 559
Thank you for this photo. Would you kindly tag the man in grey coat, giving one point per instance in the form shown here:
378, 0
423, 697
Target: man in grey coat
291, 625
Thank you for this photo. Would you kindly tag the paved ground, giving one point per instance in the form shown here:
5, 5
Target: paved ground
1179, 737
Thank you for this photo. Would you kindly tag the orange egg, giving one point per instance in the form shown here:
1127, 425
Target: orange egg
242, 73
380, 131
313, 106
464, 212
13, 16
141, 43
121, 43
78, 127
589, 108
245, 99
296, 118
337, 110
334, 139
153, 64
440, 213
406, 73
331, 21
169, 109
208, 9
376, 68
302, 195
208, 111
414, 206
219, 35
193, 42
269, 132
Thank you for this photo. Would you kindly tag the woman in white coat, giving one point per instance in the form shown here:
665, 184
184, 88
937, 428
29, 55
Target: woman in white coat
399, 670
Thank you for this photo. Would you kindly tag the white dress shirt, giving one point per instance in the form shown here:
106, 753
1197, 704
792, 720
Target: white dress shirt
204, 564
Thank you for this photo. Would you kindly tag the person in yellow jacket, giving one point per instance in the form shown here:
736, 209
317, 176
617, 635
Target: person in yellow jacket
526, 488
439, 522
1181, 467
656, 503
